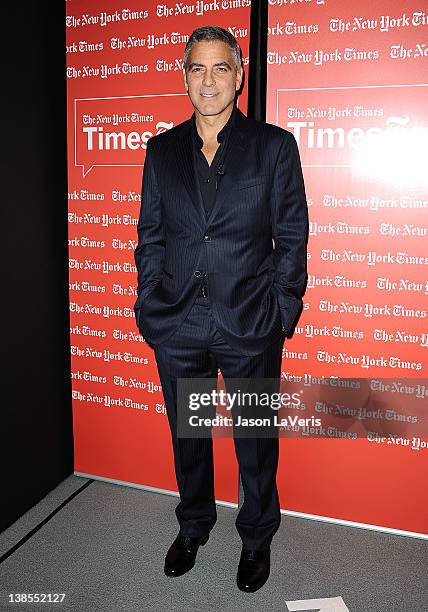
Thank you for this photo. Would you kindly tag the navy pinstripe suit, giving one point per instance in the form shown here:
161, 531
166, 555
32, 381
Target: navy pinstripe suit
254, 295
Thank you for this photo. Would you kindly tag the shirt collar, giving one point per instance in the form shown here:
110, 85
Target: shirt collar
223, 133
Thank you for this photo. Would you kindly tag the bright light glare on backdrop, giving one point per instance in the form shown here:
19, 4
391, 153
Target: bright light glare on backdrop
397, 156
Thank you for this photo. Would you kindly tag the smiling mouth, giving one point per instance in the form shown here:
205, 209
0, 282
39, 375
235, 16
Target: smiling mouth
208, 95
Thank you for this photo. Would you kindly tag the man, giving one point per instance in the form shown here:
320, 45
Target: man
214, 292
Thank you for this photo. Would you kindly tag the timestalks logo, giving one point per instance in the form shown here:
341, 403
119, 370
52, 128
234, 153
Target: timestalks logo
98, 140
309, 135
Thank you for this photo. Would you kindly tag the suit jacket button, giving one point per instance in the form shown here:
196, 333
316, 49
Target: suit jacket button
197, 273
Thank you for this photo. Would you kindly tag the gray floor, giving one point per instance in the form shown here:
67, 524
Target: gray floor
105, 551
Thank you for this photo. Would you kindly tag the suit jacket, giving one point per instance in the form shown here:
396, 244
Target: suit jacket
250, 251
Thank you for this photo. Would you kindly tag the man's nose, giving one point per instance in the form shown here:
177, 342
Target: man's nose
208, 78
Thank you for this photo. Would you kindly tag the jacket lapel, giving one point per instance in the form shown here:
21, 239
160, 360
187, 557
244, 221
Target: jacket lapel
232, 163
186, 167
232, 160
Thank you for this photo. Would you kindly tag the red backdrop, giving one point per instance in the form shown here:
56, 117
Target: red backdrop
348, 80
125, 84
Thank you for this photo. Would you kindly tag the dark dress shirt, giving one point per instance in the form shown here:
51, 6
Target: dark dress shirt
210, 175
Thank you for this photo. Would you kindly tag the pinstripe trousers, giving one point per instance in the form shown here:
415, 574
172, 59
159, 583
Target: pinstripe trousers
197, 350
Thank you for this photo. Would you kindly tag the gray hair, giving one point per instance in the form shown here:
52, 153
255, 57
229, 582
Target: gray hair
214, 33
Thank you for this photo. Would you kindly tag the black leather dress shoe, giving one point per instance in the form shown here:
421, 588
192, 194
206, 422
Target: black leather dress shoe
181, 555
253, 569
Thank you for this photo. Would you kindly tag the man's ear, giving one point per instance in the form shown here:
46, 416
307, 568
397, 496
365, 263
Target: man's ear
239, 77
185, 80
